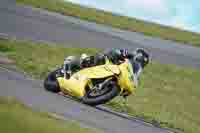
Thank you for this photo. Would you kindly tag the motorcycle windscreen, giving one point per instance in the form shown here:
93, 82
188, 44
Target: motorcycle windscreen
101, 71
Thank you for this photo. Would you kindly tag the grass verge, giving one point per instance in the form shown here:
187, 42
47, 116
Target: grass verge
168, 95
38, 59
98, 16
17, 118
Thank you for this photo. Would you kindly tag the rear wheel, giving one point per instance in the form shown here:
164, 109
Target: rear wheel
50, 83
95, 97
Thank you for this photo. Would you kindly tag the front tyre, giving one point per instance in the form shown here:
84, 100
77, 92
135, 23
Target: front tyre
51, 83
110, 91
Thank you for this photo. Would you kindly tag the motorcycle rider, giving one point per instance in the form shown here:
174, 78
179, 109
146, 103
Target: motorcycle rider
139, 57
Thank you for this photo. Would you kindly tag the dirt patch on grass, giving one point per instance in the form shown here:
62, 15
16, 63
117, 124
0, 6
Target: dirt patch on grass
6, 60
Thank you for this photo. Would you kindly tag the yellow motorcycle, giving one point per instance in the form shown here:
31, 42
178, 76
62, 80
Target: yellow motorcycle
95, 85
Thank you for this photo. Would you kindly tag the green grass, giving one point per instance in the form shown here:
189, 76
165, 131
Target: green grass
122, 22
38, 59
17, 118
168, 94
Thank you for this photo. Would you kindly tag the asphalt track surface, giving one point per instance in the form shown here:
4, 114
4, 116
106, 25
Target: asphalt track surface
34, 24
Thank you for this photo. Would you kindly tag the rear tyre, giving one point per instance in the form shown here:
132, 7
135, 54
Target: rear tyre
50, 83
111, 91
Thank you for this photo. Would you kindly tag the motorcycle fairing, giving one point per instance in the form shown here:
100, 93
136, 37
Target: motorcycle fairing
98, 72
76, 85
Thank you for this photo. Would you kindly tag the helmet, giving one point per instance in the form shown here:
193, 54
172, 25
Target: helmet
141, 56
116, 55
85, 60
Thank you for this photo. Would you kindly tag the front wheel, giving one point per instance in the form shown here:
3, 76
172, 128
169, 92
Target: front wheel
95, 97
51, 83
